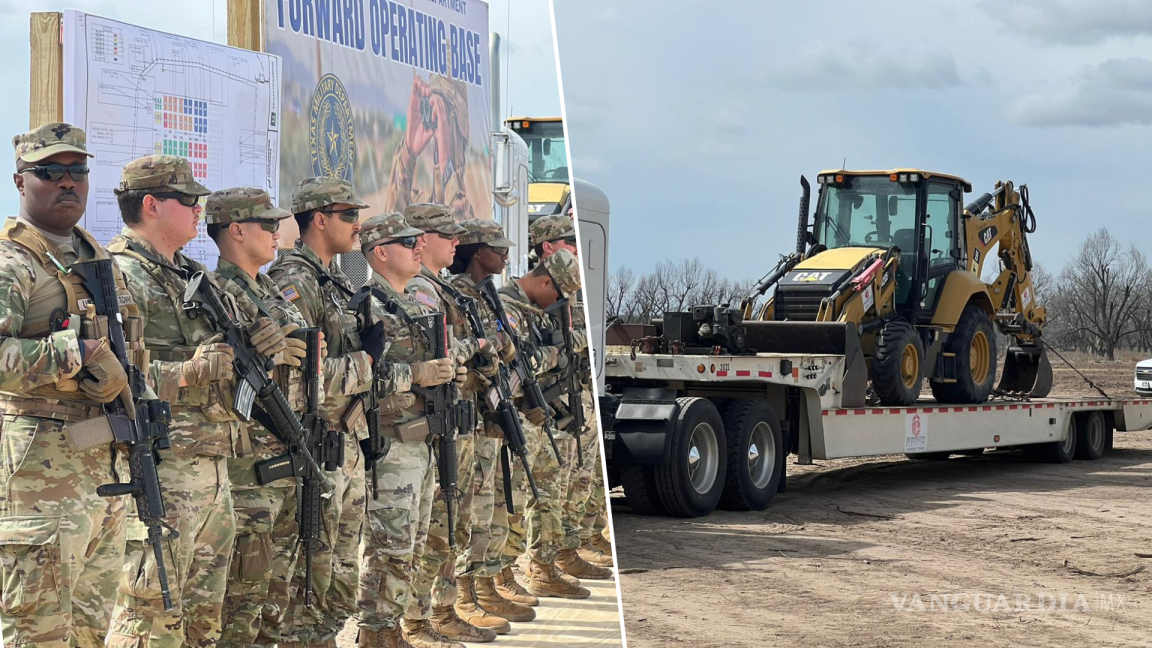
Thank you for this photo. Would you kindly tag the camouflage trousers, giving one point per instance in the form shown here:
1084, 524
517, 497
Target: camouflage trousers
538, 526
474, 540
335, 565
434, 567
395, 533
263, 560
594, 520
583, 480
61, 545
198, 502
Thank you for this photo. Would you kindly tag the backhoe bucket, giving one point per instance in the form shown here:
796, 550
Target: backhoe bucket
1027, 371
812, 339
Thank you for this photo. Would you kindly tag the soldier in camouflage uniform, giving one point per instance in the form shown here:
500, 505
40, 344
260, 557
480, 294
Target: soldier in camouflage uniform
327, 213
555, 277
483, 252
432, 290
547, 236
190, 368
244, 224
61, 547
398, 517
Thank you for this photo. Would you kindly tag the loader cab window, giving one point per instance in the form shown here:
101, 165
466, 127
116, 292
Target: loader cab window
547, 150
940, 232
867, 211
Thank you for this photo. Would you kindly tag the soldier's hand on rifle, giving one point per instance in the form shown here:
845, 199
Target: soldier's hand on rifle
432, 373
323, 347
536, 416
108, 377
507, 347
490, 351
461, 376
295, 349
211, 363
373, 341
266, 337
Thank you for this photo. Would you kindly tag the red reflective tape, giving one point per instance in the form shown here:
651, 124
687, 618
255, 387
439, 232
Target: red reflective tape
999, 408
973, 409
765, 374
722, 374
893, 411
740, 372
841, 412
876, 410
859, 411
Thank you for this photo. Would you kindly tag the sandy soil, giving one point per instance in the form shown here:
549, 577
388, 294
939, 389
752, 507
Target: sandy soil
852, 554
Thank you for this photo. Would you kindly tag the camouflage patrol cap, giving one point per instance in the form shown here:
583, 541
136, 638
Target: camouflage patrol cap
48, 140
550, 228
564, 268
383, 228
319, 192
161, 173
431, 217
482, 230
241, 203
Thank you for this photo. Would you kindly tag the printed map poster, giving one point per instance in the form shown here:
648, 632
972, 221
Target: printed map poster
139, 92
392, 96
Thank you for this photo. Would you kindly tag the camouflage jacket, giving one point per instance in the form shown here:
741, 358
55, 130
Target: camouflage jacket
321, 295
254, 441
202, 418
433, 292
531, 324
407, 344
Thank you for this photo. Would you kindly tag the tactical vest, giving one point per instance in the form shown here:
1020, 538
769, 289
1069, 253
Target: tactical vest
413, 349
213, 401
541, 319
59, 301
340, 327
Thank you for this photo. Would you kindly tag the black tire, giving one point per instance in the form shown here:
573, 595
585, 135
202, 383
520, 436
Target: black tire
892, 380
1092, 435
1057, 451
639, 484
691, 486
751, 484
928, 456
975, 374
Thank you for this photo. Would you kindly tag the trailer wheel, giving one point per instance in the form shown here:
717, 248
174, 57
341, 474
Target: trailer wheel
974, 344
756, 455
897, 366
690, 486
1092, 433
639, 484
1056, 451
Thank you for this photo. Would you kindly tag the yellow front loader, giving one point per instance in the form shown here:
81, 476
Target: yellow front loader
896, 257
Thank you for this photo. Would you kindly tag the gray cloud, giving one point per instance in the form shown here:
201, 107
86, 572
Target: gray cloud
1116, 92
865, 64
1072, 22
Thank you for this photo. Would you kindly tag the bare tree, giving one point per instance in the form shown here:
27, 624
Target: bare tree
619, 291
1103, 291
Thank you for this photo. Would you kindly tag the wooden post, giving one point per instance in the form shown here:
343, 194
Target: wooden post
246, 24
46, 99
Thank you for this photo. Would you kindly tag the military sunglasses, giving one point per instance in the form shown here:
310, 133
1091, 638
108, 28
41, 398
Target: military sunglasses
188, 200
268, 225
347, 215
55, 172
500, 250
407, 241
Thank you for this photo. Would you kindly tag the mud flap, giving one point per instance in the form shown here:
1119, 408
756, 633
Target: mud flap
1027, 370
816, 338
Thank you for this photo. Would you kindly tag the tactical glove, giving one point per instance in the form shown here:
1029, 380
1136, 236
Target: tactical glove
108, 377
266, 337
294, 351
373, 340
211, 363
536, 416
431, 373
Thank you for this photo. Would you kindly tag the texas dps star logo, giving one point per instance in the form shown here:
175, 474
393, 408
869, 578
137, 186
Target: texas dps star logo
331, 141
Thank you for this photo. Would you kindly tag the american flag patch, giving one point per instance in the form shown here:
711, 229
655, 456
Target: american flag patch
512, 320
425, 298
290, 293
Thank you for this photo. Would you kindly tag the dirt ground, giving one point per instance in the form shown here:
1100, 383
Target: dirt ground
854, 552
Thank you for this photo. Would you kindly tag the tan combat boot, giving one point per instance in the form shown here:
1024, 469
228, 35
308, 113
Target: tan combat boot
593, 554
512, 590
470, 610
488, 598
602, 543
421, 634
545, 580
448, 623
385, 638
573, 565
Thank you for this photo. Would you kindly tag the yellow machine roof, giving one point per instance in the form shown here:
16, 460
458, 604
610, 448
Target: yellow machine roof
927, 174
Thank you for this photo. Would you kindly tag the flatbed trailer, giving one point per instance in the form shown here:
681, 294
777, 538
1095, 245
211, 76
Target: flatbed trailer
686, 433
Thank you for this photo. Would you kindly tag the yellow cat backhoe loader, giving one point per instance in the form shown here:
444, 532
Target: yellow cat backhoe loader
890, 268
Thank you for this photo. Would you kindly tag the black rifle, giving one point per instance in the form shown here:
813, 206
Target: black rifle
361, 302
561, 312
141, 425
252, 387
446, 414
519, 365
506, 415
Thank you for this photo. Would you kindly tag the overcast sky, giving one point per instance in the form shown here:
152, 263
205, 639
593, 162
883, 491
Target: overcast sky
698, 118
530, 77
